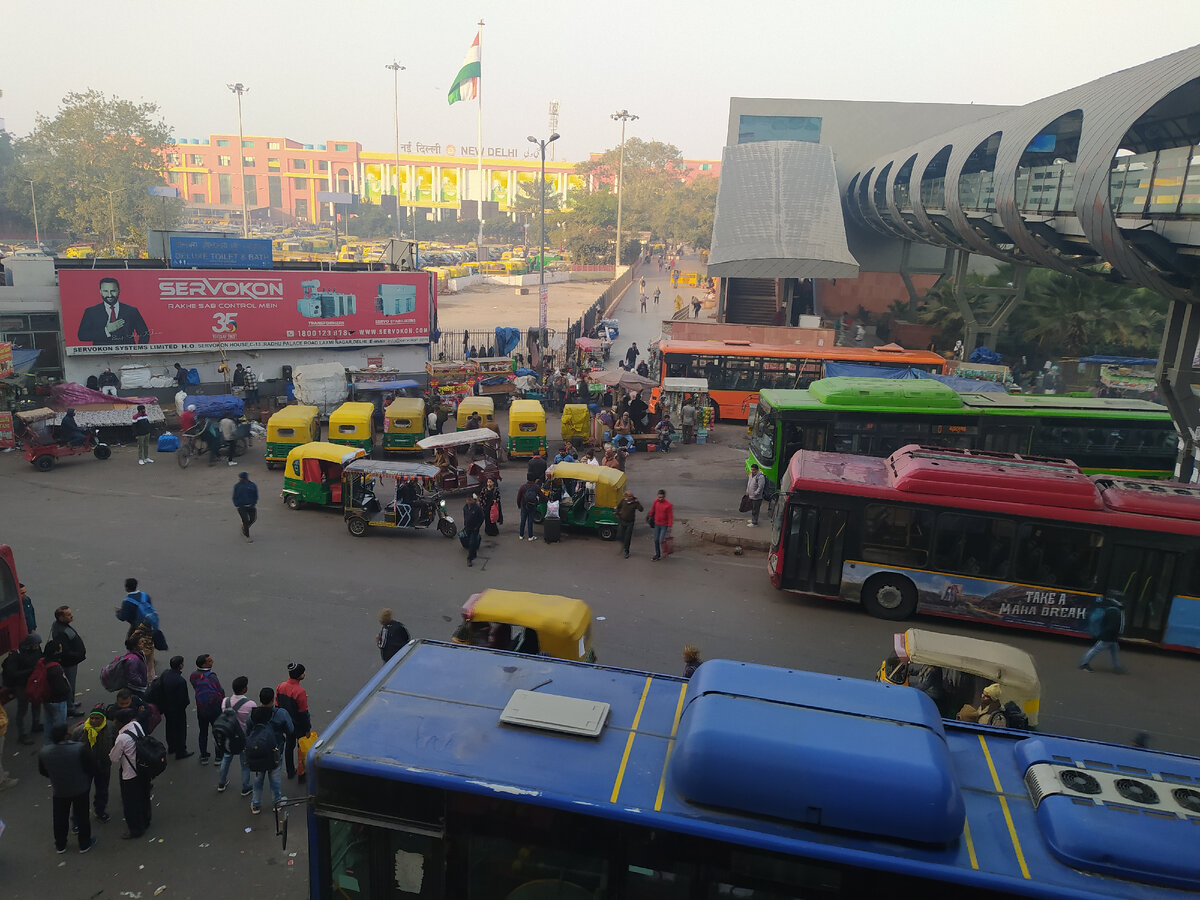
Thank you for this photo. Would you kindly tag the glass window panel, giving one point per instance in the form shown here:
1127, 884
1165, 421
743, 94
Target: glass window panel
1057, 556
225, 189
752, 129
896, 535
973, 545
1167, 188
1191, 189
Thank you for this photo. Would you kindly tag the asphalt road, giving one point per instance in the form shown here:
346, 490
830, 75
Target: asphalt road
306, 590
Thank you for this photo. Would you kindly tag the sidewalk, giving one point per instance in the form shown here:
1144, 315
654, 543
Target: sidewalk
733, 532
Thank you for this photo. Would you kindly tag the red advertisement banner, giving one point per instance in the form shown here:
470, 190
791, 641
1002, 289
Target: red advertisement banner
172, 310
6, 360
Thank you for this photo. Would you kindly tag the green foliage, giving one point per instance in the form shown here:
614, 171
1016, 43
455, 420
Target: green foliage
97, 147
368, 220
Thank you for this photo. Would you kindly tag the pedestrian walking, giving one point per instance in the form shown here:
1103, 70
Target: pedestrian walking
691, 660
209, 695
141, 431
135, 786
431, 423
535, 471
230, 737
15, 674
756, 487
70, 768
73, 650
136, 608
860, 334
472, 522
657, 294
643, 301
245, 499
169, 693
687, 420
529, 496
1106, 623
56, 688
627, 509
643, 284
97, 735
695, 307
269, 728
631, 356
493, 512
27, 609
662, 517
6, 781
392, 635
293, 699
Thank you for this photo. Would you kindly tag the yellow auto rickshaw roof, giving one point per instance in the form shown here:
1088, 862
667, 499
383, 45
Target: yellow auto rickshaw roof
1005, 664
323, 450
293, 415
352, 411
477, 404
526, 410
541, 612
610, 482
405, 406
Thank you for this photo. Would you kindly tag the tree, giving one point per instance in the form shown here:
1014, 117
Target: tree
368, 220
92, 165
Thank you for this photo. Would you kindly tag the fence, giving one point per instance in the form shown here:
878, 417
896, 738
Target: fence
594, 313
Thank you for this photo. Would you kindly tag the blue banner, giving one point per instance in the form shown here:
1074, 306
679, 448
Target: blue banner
220, 253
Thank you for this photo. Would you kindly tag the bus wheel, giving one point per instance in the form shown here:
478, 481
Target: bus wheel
889, 596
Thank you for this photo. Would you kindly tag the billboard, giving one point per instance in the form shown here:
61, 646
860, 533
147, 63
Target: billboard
220, 253
168, 311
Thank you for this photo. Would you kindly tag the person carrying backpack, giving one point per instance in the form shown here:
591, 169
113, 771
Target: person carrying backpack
269, 729
392, 635
293, 699
529, 496
1106, 623
136, 780
15, 673
139, 612
229, 733
209, 695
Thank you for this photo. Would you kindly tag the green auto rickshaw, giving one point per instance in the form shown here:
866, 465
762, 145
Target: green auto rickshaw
587, 496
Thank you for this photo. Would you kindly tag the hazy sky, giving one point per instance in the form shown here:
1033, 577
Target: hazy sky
316, 69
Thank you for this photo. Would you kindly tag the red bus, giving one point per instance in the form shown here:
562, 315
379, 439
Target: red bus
994, 537
12, 617
738, 370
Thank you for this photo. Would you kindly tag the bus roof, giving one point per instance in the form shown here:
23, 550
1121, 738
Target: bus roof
889, 355
831, 768
1002, 481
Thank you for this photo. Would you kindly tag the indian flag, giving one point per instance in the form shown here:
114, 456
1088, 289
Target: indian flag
466, 83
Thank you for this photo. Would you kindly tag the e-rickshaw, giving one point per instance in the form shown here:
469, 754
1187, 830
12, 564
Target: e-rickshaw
353, 424
44, 444
393, 495
313, 473
522, 622
485, 406
954, 670
592, 500
526, 429
576, 423
481, 445
288, 429
403, 424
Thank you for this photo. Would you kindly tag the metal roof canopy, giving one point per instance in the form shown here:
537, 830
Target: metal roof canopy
779, 214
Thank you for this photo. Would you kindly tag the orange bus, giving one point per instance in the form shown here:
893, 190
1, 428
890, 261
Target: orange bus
738, 370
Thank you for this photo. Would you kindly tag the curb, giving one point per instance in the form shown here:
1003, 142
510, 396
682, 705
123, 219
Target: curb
746, 542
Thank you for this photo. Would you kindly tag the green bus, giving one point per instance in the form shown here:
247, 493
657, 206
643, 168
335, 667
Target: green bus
877, 416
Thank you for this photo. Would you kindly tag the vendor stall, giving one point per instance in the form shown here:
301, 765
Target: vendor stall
675, 393
450, 382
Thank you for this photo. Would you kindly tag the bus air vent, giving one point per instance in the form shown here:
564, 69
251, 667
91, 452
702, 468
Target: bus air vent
553, 712
1187, 798
1082, 782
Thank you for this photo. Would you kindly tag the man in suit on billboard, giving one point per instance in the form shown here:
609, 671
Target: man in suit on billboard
113, 322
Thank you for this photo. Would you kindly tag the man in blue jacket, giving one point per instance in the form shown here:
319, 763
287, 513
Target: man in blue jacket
266, 759
245, 498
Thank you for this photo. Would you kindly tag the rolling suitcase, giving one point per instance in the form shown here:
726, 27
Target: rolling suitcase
552, 530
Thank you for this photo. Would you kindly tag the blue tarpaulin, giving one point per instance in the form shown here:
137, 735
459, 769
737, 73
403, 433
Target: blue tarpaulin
987, 356
965, 385
1120, 360
386, 385
217, 406
507, 340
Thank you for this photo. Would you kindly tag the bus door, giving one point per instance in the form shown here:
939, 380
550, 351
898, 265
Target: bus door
1142, 577
814, 549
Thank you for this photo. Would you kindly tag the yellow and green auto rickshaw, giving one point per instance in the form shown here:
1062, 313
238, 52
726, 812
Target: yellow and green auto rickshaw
353, 424
954, 670
592, 498
288, 429
404, 424
526, 429
576, 423
485, 406
528, 623
313, 473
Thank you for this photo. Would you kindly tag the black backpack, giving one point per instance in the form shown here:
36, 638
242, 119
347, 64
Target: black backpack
1016, 716
149, 754
227, 729
262, 747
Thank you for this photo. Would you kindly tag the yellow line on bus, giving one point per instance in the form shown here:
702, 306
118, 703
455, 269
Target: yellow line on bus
1012, 831
970, 844
629, 742
662, 781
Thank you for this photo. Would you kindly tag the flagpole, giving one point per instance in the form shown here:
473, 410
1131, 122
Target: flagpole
479, 147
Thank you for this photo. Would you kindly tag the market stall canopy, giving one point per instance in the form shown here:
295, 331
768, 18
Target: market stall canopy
587, 344
685, 385
631, 381
779, 214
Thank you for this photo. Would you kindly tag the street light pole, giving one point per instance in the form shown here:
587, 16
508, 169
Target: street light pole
623, 116
396, 68
112, 216
542, 300
37, 235
239, 89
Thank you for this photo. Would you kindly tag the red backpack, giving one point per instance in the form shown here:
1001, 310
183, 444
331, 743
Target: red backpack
37, 688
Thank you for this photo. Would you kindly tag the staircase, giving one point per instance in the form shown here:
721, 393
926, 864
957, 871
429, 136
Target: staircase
750, 301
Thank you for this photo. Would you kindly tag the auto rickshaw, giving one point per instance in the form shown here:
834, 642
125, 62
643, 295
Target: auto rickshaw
576, 423
465, 459
522, 622
393, 495
353, 424
592, 500
526, 429
954, 670
288, 429
45, 443
485, 406
403, 424
313, 473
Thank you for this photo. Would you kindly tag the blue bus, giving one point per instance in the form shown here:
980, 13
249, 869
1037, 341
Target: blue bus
474, 774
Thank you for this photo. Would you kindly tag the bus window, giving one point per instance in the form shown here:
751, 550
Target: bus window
679, 366
973, 545
370, 861
896, 535
1058, 557
762, 442
1005, 438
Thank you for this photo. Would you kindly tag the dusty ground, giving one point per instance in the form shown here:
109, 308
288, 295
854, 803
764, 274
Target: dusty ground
487, 306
